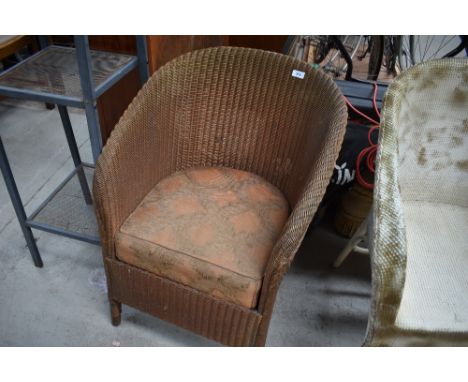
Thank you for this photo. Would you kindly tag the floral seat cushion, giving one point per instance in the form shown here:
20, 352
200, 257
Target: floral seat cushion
212, 229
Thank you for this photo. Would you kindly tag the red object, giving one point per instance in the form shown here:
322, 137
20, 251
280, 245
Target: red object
369, 152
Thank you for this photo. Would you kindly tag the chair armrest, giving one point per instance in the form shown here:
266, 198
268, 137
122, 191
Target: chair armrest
387, 234
310, 194
129, 166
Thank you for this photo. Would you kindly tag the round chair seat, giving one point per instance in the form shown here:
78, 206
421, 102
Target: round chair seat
212, 229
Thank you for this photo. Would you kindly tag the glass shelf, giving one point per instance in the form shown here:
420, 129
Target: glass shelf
52, 75
66, 212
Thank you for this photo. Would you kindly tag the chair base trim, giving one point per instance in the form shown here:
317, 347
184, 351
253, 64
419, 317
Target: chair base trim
198, 312
395, 336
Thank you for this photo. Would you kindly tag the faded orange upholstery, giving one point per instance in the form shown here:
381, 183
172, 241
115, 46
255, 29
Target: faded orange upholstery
212, 229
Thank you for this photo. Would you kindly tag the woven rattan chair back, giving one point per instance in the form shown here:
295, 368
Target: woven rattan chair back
252, 110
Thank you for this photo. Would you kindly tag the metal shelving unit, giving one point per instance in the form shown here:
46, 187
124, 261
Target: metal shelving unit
74, 77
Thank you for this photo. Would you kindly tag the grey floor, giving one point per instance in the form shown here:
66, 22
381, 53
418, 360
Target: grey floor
64, 303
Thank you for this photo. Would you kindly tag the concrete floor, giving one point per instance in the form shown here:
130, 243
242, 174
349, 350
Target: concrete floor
64, 303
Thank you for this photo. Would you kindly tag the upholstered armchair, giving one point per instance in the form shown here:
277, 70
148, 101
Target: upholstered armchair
207, 185
419, 228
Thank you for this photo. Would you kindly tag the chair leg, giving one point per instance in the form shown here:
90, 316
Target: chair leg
358, 236
260, 341
116, 310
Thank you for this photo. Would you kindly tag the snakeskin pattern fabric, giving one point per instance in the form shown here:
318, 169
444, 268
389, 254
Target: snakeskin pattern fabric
212, 229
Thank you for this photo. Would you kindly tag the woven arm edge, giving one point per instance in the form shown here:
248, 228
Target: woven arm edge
387, 234
123, 175
311, 196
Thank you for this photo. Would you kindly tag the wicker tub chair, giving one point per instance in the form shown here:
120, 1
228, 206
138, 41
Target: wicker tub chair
208, 183
419, 230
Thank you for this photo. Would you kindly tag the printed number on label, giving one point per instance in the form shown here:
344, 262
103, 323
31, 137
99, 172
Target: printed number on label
298, 74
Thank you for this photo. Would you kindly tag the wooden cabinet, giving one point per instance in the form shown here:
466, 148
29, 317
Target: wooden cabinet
162, 49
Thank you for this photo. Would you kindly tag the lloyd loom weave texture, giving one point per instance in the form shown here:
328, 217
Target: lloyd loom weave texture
221, 107
419, 232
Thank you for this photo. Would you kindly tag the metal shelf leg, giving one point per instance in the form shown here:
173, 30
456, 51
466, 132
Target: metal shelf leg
18, 206
142, 53
94, 131
75, 153
89, 95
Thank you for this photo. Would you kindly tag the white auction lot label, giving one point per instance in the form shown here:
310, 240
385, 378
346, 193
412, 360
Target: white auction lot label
298, 74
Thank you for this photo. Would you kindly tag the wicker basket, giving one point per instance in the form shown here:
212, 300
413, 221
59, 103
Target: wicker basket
354, 207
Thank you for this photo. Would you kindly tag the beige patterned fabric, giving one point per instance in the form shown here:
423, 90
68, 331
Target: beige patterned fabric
212, 229
419, 233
